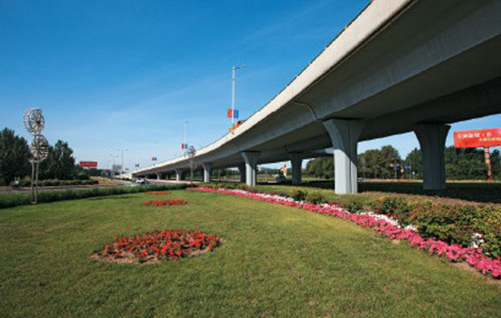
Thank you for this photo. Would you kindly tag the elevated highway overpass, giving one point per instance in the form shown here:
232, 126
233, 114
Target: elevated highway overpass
400, 66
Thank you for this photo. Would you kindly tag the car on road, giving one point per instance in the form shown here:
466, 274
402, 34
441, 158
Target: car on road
140, 182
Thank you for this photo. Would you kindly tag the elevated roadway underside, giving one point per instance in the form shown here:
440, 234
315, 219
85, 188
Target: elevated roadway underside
430, 62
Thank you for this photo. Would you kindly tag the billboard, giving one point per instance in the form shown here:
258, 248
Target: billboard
88, 164
477, 138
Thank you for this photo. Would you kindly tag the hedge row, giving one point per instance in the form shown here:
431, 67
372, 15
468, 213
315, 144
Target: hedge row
57, 182
12, 200
449, 223
218, 185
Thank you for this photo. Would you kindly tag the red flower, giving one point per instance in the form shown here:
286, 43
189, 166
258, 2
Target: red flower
166, 202
165, 244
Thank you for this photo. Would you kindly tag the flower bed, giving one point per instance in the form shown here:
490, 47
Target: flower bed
386, 226
166, 202
158, 192
157, 245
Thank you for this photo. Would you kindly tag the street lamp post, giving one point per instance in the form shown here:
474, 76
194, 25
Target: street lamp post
233, 91
112, 170
185, 124
122, 166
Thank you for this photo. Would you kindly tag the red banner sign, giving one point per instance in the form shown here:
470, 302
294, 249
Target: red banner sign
88, 164
477, 138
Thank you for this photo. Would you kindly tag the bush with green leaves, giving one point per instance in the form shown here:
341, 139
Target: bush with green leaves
315, 197
396, 207
457, 224
490, 227
298, 195
354, 206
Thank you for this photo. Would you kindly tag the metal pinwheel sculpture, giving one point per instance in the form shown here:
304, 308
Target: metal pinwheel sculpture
34, 121
39, 147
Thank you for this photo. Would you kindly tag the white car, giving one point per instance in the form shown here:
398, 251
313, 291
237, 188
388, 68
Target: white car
141, 182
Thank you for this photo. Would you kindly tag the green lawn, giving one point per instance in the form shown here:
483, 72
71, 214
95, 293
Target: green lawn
275, 262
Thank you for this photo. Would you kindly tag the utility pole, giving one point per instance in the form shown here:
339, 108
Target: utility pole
233, 91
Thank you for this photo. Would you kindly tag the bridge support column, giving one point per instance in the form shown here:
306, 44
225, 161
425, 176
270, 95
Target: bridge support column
179, 175
207, 171
344, 134
251, 159
241, 169
296, 163
432, 143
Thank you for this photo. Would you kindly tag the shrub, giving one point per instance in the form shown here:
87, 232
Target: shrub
449, 223
315, 198
398, 208
490, 227
354, 206
298, 195
389, 205
241, 186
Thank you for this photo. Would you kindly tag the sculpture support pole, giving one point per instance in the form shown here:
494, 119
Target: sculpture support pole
36, 183
33, 182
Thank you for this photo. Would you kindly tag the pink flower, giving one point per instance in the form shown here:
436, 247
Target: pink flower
455, 253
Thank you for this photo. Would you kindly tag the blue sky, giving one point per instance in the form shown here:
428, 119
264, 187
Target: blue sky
126, 74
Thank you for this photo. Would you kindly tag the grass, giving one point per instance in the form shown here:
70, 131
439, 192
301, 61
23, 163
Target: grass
275, 262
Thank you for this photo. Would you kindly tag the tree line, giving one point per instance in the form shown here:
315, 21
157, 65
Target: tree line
15, 160
386, 163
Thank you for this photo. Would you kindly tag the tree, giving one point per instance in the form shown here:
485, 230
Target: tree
64, 167
465, 163
375, 163
60, 164
389, 156
14, 156
496, 164
369, 165
46, 166
415, 160
321, 167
